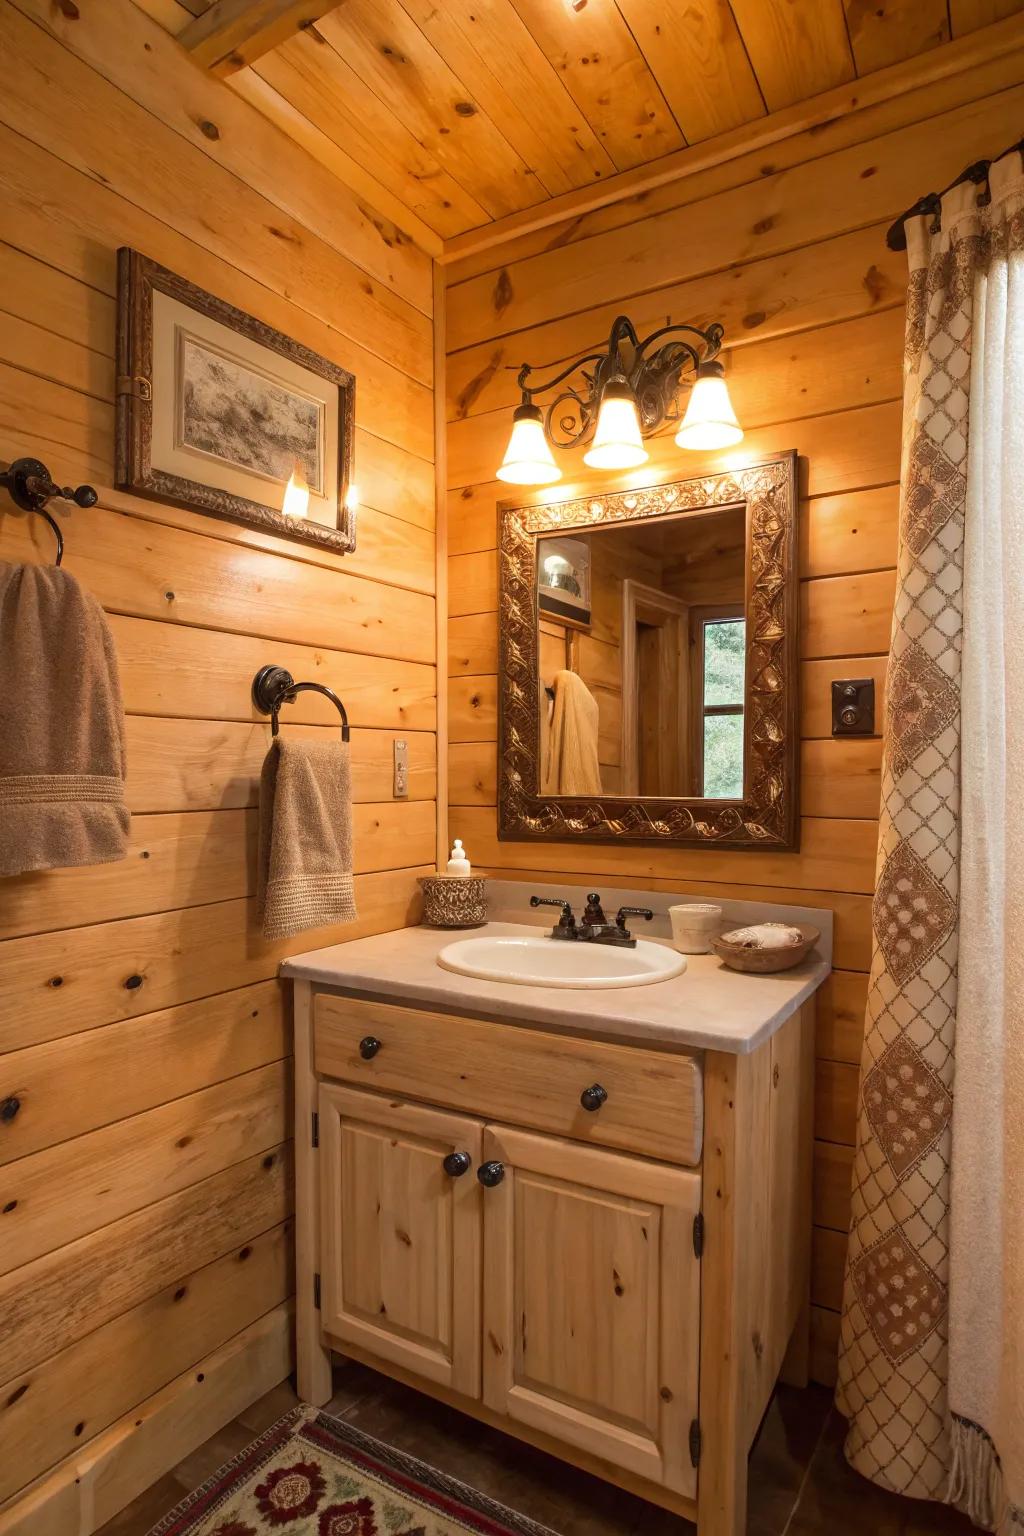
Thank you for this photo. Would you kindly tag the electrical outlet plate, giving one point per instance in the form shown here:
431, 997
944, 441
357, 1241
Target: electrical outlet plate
401, 780
853, 706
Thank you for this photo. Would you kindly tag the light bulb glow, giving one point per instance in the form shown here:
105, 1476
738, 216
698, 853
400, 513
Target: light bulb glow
710, 421
528, 459
617, 441
352, 497
296, 494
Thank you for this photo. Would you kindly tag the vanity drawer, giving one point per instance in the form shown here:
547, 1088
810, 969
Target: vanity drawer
520, 1076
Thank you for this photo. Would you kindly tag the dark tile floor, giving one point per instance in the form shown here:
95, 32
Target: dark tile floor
800, 1484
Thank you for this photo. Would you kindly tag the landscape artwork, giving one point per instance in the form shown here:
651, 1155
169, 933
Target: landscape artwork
245, 418
220, 412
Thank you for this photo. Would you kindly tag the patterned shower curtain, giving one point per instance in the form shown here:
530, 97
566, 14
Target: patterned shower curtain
930, 1373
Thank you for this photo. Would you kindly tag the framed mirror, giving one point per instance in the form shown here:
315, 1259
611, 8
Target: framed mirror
648, 664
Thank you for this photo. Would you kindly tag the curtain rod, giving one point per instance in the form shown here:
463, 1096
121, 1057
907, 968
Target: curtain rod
896, 238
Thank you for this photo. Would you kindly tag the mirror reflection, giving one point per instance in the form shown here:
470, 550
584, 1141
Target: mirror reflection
642, 649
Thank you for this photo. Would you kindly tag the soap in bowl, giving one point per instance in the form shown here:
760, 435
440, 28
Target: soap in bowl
767, 961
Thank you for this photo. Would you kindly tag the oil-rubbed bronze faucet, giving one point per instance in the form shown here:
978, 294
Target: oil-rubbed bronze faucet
566, 925
594, 927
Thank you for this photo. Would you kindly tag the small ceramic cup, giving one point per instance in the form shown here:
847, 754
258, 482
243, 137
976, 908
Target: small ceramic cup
694, 925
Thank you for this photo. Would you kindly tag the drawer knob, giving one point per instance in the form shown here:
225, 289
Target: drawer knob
456, 1164
490, 1174
593, 1097
369, 1045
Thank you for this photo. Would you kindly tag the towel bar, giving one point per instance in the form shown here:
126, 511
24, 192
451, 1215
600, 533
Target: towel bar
30, 486
273, 686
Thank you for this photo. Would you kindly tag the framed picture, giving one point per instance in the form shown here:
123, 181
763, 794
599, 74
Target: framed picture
563, 580
217, 411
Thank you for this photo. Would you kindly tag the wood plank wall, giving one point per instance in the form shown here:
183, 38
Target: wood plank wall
787, 248
145, 1187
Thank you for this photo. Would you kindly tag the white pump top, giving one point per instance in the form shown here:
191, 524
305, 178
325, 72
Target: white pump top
458, 863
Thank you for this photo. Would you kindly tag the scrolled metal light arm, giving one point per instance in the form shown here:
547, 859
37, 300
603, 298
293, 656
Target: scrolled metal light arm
655, 379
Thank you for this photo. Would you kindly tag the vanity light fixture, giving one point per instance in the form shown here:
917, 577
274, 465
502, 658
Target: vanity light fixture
618, 443
622, 395
710, 421
528, 459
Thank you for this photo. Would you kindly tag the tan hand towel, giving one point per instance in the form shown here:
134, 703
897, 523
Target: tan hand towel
62, 764
305, 857
572, 748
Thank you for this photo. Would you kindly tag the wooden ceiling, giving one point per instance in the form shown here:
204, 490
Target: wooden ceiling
468, 111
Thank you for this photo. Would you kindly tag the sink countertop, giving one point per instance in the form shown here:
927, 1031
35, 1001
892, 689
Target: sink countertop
708, 1007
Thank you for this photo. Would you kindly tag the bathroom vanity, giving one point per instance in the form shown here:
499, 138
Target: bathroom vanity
581, 1216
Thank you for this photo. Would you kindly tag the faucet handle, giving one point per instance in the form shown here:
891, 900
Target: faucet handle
624, 912
566, 928
594, 915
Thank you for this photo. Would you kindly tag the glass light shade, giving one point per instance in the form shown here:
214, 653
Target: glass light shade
296, 494
528, 459
710, 421
617, 441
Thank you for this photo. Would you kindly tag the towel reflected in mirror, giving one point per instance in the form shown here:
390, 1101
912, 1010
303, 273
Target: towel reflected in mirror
569, 734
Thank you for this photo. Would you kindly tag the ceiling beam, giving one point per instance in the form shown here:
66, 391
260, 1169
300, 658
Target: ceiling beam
232, 33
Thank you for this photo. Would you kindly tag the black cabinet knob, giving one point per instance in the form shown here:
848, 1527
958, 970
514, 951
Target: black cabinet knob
9, 1108
369, 1045
490, 1174
456, 1164
593, 1097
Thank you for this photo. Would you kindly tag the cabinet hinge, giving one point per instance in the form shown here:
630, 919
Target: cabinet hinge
316, 1292
698, 1234
316, 1129
695, 1442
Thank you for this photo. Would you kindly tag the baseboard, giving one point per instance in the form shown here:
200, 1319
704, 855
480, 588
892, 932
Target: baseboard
84, 1491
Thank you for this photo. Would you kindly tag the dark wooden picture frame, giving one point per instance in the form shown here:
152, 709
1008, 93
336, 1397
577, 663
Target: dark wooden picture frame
138, 278
768, 814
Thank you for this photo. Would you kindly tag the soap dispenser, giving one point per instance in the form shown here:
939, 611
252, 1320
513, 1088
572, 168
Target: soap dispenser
458, 863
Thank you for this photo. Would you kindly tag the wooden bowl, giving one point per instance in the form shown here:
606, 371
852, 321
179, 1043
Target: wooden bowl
766, 962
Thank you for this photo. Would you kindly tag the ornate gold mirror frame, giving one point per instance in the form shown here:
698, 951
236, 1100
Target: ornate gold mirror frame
767, 816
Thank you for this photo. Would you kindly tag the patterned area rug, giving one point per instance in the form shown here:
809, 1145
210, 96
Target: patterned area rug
313, 1475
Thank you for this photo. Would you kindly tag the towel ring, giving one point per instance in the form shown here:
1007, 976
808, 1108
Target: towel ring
30, 486
273, 686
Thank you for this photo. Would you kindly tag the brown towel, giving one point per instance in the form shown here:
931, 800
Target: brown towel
305, 861
62, 762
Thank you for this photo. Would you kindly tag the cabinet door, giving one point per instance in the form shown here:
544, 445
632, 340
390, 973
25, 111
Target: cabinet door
591, 1300
400, 1234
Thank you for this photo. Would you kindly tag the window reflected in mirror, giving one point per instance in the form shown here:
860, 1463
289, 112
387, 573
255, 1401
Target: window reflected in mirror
641, 658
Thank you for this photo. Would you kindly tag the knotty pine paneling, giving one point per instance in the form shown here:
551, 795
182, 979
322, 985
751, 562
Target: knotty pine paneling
176, 1326
853, 119
58, 1298
145, 1182
794, 261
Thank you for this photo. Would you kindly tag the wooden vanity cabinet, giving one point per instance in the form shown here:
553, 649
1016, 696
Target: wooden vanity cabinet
400, 1244
591, 1301
466, 1225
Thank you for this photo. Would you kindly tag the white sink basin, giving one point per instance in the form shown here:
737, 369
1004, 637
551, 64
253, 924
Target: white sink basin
544, 962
